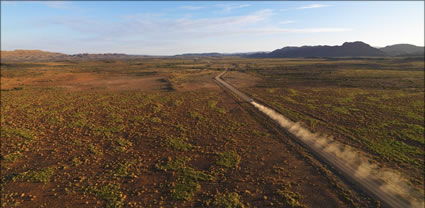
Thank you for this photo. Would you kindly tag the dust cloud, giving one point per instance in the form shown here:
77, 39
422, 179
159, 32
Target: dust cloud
359, 166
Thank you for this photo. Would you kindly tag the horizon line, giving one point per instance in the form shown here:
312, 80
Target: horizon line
129, 54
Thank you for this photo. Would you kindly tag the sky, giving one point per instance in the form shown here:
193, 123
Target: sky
176, 27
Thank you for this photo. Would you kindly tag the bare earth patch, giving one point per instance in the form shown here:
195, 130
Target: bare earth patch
85, 81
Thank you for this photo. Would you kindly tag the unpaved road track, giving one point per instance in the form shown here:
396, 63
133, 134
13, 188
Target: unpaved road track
370, 184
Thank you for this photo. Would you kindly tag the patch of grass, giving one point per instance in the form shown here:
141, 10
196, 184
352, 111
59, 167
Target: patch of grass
180, 165
230, 139
124, 169
258, 133
181, 127
12, 157
346, 99
271, 90
187, 183
155, 120
418, 104
287, 112
312, 123
230, 200
95, 150
157, 107
81, 120
393, 149
289, 99
220, 110
290, 198
341, 110
184, 190
122, 144
176, 164
115, 118
79, 123
414, 132
229, 159
110, 193
415, 116
39, 176
76, 161
24, 133
108, 133
197, 116
177, 102
213, 105
178, 143
189, 173
292, 92
139, 118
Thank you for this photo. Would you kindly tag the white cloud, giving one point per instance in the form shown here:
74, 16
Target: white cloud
298, 30
313, 6
230, 7
157, 32
192, 7
155, 26
286, 22
203, 25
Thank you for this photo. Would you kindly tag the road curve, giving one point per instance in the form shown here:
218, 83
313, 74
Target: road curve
371, 184
231, 88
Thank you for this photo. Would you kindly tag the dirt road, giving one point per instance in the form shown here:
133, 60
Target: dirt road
385, 186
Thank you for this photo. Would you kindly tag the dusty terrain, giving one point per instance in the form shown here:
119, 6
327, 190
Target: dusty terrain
160, 132
373, 105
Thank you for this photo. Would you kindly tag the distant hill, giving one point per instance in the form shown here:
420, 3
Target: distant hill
348, 49
198, 54
403, 50
30, 55
216, 54
38, 55
95, 56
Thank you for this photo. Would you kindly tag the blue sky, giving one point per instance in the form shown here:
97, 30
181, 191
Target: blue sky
168, 28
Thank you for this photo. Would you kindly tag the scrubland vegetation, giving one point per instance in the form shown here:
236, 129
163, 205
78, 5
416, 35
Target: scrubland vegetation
160, 132
375, 105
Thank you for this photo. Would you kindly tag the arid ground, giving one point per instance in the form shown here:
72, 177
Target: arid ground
159, 132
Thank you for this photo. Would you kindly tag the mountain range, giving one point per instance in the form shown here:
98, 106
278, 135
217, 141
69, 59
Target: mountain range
354, 49
38, 55
403, 50
348, 49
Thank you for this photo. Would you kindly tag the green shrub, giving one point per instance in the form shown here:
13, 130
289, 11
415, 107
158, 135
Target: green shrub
41, 176
188, 179
184, 190
290, 198
231, 200
110, 193
229, 159
178, 143
12, 157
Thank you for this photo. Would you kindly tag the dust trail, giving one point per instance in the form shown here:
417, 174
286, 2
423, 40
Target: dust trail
382, 180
